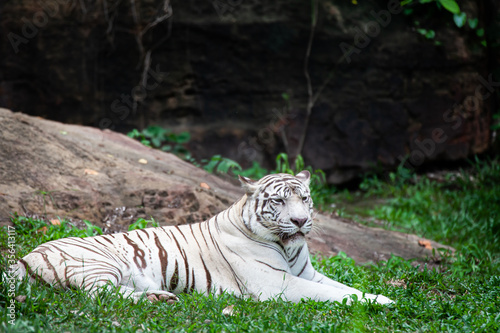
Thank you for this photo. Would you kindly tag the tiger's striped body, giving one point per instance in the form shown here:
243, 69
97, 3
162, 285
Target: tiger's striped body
255, 248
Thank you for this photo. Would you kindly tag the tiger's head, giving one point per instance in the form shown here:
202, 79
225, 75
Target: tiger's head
279, 207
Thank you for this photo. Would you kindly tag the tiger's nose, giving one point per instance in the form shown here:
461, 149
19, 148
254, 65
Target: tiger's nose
299, 222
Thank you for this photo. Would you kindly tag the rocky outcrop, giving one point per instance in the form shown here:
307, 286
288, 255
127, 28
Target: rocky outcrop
50, 170
396, 84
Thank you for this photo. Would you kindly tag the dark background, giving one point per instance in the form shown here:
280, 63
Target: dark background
232, 73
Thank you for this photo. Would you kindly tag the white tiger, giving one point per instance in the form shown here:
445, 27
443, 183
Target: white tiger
255, 248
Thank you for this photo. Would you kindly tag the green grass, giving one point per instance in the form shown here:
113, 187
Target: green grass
430, 302
451, 297
461, 209
458, 293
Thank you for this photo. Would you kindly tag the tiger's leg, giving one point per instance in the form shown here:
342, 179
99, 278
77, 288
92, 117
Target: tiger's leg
322, 279
84, 266
309, 273
90, 268
294, 289
64, 270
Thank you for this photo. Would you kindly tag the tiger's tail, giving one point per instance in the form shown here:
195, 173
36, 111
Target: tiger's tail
19, 271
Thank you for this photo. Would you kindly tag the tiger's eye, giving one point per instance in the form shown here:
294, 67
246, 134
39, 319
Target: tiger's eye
279, 201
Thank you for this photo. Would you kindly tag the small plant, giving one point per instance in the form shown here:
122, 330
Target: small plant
92, 230
459, 17
161, 138
400, 178
139, 136
143, 223
254, 172
221, 164
283, 166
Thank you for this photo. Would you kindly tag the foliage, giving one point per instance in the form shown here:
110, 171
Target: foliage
221, 165
463, 294
460, 18
142, 223
161, 138
254, 172
449, 5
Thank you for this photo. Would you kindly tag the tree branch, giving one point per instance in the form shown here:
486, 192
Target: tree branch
145, 56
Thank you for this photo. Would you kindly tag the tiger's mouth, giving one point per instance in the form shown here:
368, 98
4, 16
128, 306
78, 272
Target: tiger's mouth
285, 238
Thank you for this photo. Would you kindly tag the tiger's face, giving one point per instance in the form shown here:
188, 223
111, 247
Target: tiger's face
279, 207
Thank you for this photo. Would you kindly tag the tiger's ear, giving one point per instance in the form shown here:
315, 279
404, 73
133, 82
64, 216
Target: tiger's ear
304, 176
249, 185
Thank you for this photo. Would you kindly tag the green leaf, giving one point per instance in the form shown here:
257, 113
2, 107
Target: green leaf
450, 5
154, 131
460, 19
473, 23
142, 223
156, 141
183, 137
221, 165
480, 32
134, 133
146, 142
429, 34
92, 230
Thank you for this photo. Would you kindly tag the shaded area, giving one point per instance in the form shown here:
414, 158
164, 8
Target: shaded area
220, 69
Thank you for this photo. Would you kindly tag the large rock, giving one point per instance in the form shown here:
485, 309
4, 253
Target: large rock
53, 170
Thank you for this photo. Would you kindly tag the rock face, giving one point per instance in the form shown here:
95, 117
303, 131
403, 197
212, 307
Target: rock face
54, 170
232, 73
85, 173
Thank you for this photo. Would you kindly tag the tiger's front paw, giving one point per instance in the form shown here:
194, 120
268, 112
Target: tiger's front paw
162, 296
